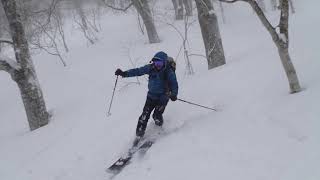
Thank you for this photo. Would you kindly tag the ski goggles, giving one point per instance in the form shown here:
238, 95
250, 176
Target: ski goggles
158, 64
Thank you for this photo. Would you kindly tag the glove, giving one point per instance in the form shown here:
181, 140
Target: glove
173, 97
119, 72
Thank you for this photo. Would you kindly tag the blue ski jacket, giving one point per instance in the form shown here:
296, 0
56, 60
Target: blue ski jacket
160, 81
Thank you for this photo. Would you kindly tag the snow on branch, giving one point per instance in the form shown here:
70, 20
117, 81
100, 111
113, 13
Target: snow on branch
8, 65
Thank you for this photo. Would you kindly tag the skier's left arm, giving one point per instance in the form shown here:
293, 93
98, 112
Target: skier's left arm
173, 83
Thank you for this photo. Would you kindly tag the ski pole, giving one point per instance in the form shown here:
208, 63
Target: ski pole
114, 89
196, 104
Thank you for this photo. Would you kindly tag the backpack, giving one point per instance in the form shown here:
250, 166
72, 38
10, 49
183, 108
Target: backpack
171, 64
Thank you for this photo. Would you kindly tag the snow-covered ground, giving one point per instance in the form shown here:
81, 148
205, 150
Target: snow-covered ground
260, 131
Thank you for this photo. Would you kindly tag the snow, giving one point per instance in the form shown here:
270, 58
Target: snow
211, 12
283, 37
260, 131
10, 61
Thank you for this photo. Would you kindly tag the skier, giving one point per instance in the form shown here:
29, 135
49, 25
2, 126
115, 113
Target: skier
162, 85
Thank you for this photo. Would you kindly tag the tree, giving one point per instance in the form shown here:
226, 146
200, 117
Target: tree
277, 5
176, 11
262, 5
88, 29
22, 70
142, 7
178, 8
188, 7
210, 33
280, 37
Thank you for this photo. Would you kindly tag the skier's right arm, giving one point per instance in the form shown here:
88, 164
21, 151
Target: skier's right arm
138, 71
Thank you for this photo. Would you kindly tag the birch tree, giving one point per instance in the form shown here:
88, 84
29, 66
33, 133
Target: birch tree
262, 5
22, 69
280, 37
210, 33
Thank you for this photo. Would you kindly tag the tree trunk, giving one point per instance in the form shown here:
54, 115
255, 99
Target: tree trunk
210, 34
175, 6
180, 10
262, 5
289, 69
188, 7
281, 40
26, 77
143, 9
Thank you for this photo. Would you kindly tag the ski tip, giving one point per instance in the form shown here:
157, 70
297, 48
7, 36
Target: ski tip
113, 170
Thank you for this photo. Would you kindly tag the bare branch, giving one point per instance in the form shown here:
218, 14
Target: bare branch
177, 30
232, 1
200, 55
51, 8
264, 20
54, 44
118, 9
6, 41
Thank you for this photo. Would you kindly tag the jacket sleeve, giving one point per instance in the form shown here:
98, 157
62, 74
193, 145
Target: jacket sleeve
138, 71
173, 83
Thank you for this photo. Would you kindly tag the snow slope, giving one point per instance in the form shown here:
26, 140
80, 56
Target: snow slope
260, 131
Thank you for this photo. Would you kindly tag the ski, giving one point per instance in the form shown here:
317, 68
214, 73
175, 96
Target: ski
123, 161
140, 147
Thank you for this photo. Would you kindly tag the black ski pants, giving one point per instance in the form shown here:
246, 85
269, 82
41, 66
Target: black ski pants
158, 105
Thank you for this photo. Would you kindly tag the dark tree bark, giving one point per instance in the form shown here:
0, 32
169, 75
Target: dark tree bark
25, 76
210, 34
143, 9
